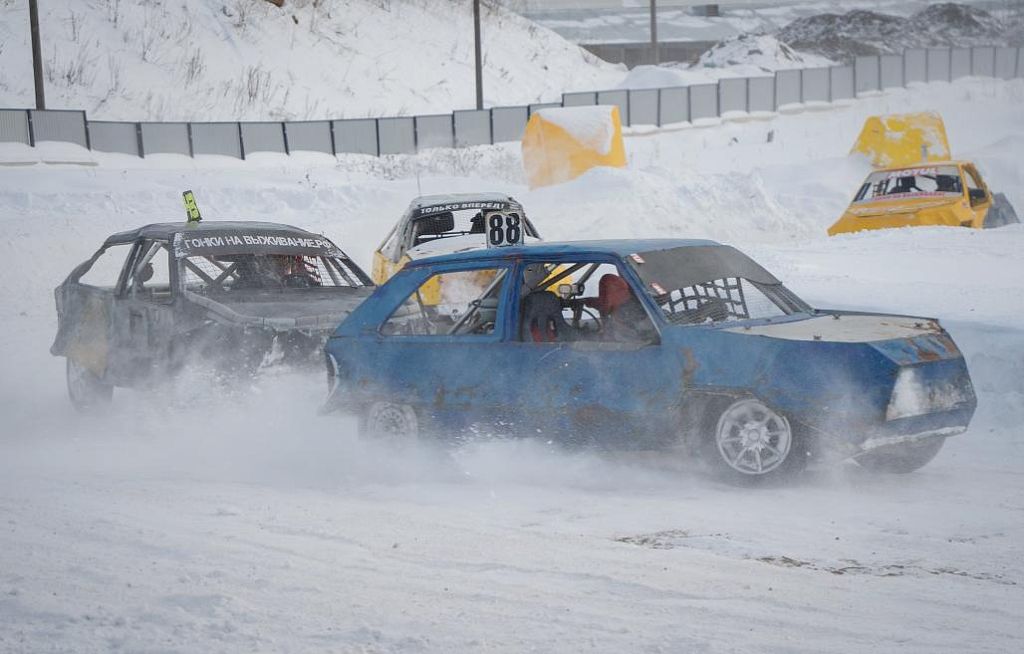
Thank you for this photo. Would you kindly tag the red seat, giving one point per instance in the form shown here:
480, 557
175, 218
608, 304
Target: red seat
612, 293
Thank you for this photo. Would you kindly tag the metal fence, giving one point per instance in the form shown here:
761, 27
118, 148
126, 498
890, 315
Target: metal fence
406, 135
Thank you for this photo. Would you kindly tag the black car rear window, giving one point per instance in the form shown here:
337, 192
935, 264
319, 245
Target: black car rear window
712, 284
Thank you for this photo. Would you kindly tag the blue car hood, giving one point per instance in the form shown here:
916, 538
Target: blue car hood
904, 340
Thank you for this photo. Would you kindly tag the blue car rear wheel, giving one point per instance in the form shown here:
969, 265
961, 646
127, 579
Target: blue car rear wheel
390, 423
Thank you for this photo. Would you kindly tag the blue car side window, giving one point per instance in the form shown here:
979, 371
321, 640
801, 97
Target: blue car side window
581, 301
457, 303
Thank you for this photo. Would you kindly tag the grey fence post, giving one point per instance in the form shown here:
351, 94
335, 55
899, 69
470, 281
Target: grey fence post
284, 139
334, 148
747, 98
950, 76
657, 110
490, 121
241, 142
138, 140
31, 129
971, 66
88, 140
689, 106
188, 130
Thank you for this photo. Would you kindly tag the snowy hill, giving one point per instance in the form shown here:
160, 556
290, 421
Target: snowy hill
747, 55
250, 60
761, 51
864, 32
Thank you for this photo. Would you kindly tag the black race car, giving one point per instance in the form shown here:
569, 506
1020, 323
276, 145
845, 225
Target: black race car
237, 294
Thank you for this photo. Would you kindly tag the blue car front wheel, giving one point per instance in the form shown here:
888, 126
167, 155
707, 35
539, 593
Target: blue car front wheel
750, 441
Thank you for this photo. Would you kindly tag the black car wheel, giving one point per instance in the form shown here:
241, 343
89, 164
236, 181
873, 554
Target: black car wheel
1001, 213
85, 389
390, 423
746, 441
901, 458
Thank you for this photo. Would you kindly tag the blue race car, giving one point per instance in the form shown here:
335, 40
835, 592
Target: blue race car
674, 345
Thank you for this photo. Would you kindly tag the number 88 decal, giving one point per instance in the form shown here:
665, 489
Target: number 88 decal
504, 229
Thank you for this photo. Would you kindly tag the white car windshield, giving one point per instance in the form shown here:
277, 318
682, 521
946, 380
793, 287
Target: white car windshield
451, 224
267, 272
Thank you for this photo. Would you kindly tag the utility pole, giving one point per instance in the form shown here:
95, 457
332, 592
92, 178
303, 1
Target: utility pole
37, 55
479, 60
654, 33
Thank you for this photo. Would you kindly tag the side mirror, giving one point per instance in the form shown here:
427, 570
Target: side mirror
145, 274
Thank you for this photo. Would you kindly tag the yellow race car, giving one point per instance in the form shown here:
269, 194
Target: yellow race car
932, 193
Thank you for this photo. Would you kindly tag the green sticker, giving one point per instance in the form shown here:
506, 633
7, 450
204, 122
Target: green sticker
191, 208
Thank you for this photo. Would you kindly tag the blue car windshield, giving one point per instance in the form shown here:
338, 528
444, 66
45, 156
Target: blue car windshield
712, 284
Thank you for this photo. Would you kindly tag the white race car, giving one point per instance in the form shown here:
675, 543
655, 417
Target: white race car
446, 224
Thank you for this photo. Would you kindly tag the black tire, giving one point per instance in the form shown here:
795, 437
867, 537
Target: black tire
86, 391
901, 458
1001, 213
746, 442
390, 423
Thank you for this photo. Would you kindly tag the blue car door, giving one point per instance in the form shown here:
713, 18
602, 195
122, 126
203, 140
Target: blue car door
598, 386
446, 353
600, 393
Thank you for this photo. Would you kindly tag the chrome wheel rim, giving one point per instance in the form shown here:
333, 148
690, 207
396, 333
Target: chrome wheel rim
752, 439
393, 423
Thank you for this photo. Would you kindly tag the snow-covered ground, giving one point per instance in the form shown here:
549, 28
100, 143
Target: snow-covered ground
206, 518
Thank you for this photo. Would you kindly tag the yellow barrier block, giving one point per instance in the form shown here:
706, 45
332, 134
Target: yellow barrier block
903, 139
562, 143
